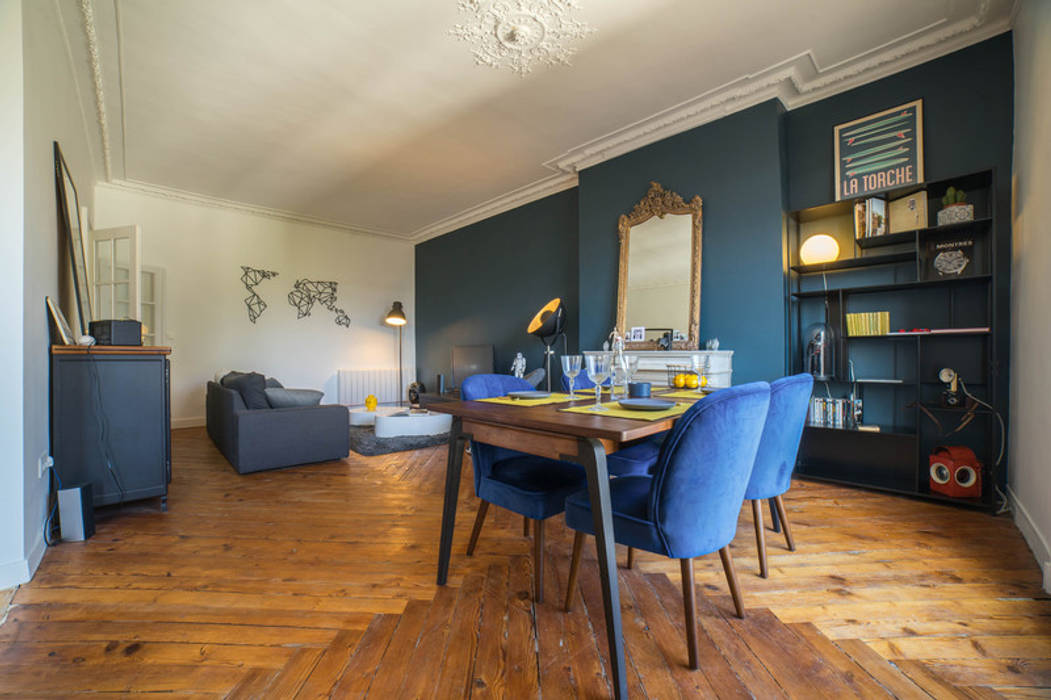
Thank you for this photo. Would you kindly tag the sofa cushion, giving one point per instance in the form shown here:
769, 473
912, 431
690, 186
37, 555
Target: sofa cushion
279, 397
272, 383
226, 376
251, 387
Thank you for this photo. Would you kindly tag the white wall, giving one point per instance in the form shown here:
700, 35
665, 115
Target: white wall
202, 248
1030, 472
13, 567
49, 101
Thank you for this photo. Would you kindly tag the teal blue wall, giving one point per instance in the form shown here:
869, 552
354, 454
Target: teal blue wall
484, 282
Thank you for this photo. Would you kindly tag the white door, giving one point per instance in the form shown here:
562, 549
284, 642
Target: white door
152, 296
115, 272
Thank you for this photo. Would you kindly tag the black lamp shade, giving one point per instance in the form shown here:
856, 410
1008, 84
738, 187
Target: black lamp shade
396, 315
549, 322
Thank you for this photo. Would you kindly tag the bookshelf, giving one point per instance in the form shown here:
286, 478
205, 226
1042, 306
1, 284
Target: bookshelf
937, 320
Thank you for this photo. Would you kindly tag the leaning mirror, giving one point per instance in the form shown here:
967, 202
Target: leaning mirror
659, 285
69, 228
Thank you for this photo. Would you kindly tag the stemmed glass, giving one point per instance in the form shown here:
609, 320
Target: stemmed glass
571, 368
631, 366
598, 367
700, 367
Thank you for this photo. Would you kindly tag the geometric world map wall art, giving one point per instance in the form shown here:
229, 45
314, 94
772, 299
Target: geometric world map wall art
304, 296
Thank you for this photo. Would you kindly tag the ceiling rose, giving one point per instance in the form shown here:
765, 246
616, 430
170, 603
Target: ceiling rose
520, 34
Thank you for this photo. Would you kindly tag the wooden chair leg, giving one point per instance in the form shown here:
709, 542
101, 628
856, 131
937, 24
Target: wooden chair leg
574, 568
689, 602
731, 579
760, 537
525, 526
784, 524
483, 508
631, 557
538, 561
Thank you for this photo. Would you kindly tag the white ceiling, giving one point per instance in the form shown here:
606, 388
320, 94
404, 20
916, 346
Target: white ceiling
371, 116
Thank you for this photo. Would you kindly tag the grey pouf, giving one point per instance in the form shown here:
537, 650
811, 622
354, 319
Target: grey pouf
363, 440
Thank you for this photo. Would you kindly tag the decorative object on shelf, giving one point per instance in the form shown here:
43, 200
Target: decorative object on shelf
305, 293
658, 251
955, 209
955, 472
907, 213
711, 344
371, 402
63, 333
950, 258
637, 334
548, 324
518, 365
868, 323
415, 389
870, 217
819, 356
396, 317
521, 34
251, 277
819, 248
70, 228
880, 151
951, 396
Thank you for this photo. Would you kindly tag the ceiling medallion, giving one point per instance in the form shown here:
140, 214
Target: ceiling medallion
520, 34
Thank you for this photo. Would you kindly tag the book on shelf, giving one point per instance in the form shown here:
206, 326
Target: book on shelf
870, 217
868, 323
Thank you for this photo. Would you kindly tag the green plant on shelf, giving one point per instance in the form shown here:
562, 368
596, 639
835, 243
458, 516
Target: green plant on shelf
953, 196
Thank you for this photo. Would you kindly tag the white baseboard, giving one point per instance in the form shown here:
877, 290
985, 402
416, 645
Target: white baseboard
196, 422
15, 573
1033, 537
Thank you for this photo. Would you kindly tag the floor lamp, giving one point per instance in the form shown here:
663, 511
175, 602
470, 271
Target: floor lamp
548, 324
396, 317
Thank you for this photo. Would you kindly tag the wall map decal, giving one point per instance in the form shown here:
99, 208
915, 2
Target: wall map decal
306, 293
251, 278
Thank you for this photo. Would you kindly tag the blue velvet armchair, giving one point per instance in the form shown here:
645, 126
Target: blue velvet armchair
689, 507
534, 487
776, 458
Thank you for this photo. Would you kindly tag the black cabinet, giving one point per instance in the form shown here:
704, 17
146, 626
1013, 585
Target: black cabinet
952, 318
111, 421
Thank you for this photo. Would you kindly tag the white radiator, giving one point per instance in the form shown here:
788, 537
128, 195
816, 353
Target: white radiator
353, 385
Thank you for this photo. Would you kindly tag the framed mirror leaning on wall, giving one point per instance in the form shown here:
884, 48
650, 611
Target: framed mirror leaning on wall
659, 283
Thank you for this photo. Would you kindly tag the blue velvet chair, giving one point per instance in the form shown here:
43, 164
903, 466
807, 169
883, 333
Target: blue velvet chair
776, 458
689, 507
534, 487
632, 460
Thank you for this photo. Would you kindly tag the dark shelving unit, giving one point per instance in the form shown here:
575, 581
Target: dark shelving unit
894, 273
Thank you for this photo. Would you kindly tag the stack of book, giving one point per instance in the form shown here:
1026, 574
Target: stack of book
868, 323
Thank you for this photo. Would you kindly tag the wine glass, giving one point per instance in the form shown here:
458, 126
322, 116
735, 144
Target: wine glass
571, 368
599, 366
700, 367
631, 363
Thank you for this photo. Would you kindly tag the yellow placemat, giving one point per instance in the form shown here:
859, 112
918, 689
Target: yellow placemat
556, 397
616, 411
590, 391
687, 394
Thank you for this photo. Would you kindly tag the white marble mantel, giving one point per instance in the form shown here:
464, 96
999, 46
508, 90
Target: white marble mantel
653, 364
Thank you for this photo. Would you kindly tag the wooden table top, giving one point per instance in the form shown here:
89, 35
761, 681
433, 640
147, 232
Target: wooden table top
550, 418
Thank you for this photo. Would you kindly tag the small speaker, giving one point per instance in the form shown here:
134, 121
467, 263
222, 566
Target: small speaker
955, 472
76, 513
125, 332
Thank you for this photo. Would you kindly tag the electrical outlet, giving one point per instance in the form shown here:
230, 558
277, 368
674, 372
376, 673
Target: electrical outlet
45, 462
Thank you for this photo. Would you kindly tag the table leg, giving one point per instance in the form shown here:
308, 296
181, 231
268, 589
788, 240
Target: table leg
593, 457
457, 441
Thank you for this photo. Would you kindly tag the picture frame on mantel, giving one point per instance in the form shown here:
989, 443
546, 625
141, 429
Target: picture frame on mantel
880, 152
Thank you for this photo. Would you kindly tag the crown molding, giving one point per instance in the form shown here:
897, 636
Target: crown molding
797, 81
515, 198
176, 195
87, 17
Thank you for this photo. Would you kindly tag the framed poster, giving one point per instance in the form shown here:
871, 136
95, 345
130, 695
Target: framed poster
879, 152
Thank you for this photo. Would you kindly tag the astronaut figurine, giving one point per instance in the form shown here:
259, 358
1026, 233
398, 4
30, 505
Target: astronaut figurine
518, 365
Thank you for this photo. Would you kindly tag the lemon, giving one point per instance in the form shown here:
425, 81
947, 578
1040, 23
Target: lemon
704, 381
679, 381
691, 381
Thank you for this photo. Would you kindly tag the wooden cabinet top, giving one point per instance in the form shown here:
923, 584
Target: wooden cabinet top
110, 350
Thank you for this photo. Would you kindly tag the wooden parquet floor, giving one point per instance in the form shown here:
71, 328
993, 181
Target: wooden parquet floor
318, 581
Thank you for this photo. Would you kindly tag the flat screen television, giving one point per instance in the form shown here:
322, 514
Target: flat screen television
471, 359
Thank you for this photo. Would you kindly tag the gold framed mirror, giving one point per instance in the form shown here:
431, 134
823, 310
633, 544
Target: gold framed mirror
659, 282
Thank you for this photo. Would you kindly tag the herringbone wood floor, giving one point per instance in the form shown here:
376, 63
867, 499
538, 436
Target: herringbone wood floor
317, 581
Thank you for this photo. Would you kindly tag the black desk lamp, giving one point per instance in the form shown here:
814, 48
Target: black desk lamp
396, 317
548, 324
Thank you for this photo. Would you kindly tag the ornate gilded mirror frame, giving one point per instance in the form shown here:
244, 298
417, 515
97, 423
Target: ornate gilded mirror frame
660, 202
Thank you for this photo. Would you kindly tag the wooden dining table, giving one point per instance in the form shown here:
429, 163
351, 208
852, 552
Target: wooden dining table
581, 438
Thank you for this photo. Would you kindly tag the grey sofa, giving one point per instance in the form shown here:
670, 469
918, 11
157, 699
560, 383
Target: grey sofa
270, 438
